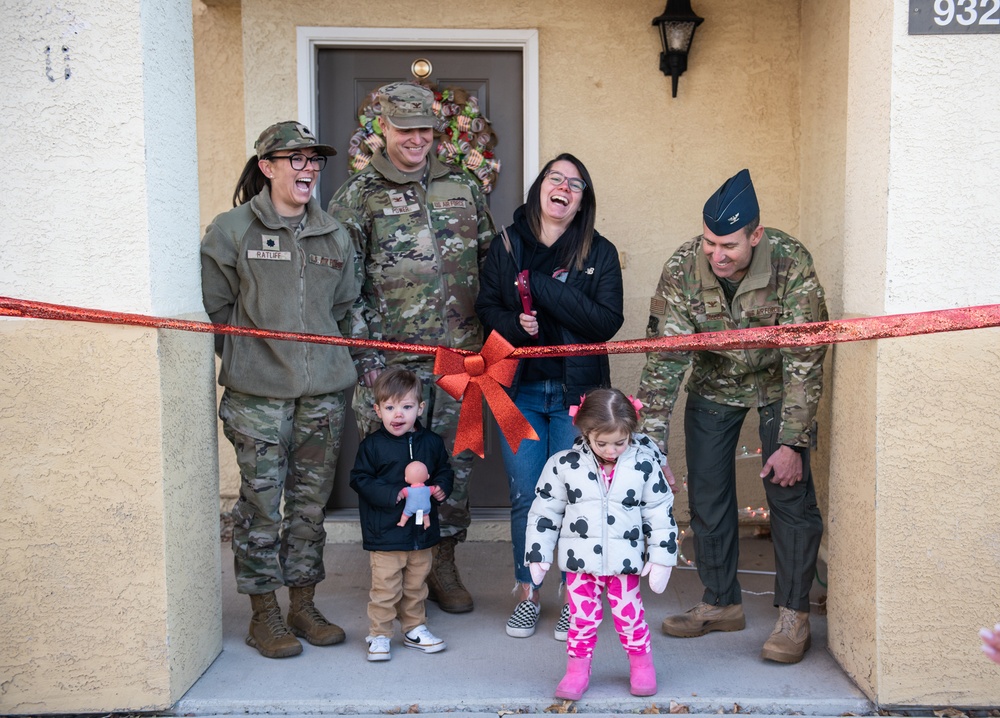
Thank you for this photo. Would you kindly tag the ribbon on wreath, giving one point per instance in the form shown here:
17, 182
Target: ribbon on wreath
470, 377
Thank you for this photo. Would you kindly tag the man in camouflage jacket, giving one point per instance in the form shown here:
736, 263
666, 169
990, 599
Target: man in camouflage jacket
736, 275
424, 231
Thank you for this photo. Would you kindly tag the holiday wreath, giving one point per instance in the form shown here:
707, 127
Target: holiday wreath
465, 137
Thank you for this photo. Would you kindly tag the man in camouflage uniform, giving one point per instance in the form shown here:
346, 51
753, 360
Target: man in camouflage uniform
425, 230
736, 275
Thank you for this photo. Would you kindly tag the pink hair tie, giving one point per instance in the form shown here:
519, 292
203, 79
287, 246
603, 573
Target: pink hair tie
575, 408
636, 404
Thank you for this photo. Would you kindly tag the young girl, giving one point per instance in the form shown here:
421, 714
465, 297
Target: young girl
608, 504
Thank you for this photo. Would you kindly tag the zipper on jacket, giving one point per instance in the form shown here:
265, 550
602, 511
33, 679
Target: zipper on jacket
761, 398
302, 302
605, 490
443, 313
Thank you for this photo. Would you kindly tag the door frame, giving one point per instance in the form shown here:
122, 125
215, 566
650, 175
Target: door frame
309, 40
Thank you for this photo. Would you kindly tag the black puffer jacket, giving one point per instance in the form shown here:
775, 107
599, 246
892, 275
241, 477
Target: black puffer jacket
377, 476
587, 306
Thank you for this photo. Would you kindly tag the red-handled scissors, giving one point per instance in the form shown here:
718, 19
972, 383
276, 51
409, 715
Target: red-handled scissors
525, 292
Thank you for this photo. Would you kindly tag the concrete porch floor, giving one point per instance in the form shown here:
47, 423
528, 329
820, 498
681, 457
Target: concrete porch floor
485, 671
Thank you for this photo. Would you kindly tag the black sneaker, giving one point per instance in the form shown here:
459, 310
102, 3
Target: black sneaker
562, 625
522, 622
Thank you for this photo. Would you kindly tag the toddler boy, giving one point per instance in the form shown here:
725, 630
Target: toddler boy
400, 555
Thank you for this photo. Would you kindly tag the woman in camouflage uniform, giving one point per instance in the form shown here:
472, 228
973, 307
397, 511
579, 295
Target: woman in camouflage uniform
278, 261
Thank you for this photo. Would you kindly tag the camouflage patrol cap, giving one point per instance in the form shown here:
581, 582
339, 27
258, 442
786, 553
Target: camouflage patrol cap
406, 105
733, 206
288, 135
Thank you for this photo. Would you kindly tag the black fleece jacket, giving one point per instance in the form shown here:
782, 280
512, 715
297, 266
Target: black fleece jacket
587, 307
377, 477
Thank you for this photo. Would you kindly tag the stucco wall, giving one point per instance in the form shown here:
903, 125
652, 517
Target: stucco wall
109, 519
938, 545
852, 621
218, 83
222, 147
191, 550
914, 474
853, 572
938, 567
821, 201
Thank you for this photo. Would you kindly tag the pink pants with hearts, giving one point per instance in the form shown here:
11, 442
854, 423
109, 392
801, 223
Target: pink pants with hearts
586, 610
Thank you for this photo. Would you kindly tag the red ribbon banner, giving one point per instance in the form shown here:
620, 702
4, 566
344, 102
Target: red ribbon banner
470, 378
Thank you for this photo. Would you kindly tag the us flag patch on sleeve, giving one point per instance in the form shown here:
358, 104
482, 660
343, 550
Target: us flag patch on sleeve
657, 305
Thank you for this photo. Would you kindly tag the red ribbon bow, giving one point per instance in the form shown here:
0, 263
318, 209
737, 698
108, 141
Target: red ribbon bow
469, 377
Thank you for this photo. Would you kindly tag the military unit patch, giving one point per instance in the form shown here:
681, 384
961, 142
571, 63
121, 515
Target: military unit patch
450, 204
326, 261
759, 312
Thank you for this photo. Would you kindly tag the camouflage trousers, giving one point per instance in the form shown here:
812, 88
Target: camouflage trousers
453, 515
284, 447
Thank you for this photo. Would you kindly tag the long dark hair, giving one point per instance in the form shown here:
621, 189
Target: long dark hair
580, 233
252, 180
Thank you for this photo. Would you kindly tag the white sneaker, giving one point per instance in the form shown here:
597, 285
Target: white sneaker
423, 640
378, 648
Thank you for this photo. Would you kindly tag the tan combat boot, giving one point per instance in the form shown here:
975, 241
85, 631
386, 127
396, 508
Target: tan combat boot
268, 633
705, 618
307, 622
444, 585
790, 638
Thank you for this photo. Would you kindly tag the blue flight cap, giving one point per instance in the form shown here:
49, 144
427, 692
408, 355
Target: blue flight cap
733, 205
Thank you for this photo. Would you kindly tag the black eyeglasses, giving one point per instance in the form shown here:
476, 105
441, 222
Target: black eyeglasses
298, 161
575, 183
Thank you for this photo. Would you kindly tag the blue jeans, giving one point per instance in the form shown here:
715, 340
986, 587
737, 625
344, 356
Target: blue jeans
541, 403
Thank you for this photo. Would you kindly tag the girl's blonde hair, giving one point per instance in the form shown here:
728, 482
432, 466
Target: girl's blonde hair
604, 411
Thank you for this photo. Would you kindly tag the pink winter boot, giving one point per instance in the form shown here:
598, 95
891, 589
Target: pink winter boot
642, 674
574, 683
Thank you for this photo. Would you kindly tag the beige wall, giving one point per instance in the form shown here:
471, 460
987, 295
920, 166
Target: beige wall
218, 83
915, 468
823, 79
108, 527
223, 148
106, 520
937, 537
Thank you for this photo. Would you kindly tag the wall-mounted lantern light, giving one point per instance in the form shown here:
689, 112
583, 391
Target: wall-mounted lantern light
677, 25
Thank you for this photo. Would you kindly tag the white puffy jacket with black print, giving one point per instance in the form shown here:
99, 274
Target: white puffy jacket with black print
603, 531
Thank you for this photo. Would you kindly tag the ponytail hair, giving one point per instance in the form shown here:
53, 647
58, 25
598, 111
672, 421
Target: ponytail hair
606, 411
252, 180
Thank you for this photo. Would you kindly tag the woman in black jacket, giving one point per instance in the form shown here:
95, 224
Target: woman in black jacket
552, 258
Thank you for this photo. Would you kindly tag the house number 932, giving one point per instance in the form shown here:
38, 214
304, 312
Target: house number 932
940, 17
